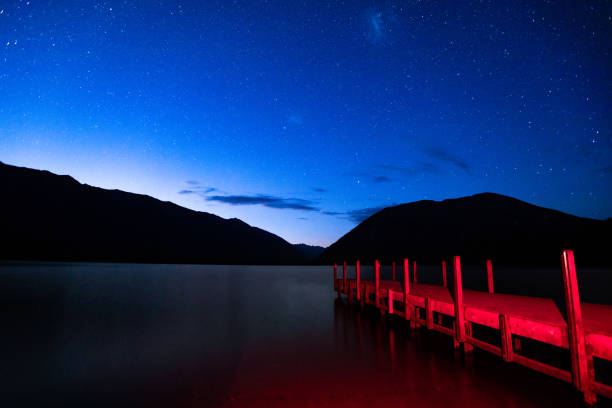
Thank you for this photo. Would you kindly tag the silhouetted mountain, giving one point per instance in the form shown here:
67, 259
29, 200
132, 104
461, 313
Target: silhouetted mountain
507, 230
310, 251
49, 217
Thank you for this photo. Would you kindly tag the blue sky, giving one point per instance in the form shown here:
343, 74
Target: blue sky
302, 118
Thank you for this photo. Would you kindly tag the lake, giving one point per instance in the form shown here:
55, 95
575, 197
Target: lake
191, 336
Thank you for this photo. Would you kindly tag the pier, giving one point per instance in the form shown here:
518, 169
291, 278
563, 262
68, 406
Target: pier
584, 332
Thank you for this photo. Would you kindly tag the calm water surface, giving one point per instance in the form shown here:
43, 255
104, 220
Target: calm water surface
185, 335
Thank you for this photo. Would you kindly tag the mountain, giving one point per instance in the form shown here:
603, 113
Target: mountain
44, 216
482, 226
310, 251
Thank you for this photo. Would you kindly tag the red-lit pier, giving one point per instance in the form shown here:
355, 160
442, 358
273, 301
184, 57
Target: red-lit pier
585, 333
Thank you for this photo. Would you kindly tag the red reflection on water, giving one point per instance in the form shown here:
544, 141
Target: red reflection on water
373, 361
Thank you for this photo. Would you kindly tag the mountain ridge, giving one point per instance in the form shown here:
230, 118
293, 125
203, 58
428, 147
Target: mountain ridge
79, 222
477, 227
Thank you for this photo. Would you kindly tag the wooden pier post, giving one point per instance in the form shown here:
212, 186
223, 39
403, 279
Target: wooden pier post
575, 328
428, 313
506, 337
407, 314
459, 311
490, 276
414, 271
357, 279
344, 275
376, 283
444, 282
393, 270
390, 305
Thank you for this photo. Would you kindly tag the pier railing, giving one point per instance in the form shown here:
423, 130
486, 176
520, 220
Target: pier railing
585, 332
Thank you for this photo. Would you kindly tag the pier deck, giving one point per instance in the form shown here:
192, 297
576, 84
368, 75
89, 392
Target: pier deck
585, 330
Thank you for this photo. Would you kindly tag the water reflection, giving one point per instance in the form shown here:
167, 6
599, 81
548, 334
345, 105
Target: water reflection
199, 336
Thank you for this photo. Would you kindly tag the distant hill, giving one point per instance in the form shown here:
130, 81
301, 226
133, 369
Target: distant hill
507, 230
44, 216
310, 251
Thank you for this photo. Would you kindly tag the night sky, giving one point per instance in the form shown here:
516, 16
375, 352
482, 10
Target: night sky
302, 118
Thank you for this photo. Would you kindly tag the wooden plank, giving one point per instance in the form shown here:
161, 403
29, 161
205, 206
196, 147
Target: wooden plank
416, 300
390, 302
444, 330
414, 271
600, 345
597, 319
529, 308
602, 389
482, 345
544, 332
482, 317
437, 292
543, 368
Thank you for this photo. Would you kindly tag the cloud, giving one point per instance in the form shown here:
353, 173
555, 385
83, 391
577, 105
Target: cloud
266, 201
331, 213
319, 190
197, 189
445, 156
357, 215
362, 214
381, 179
419, 168
192, 182
604, 170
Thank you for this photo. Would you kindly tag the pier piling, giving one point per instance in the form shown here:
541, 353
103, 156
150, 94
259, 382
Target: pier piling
490, 276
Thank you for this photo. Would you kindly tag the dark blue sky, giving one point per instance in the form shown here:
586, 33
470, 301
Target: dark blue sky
303, 117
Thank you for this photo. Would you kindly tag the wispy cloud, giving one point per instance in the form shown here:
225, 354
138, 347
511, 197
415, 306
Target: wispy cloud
331, 213
266, 201
319, 190
357, 215
604, 170
196, 188
445, 156
362, 214
419, 167
381, 179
